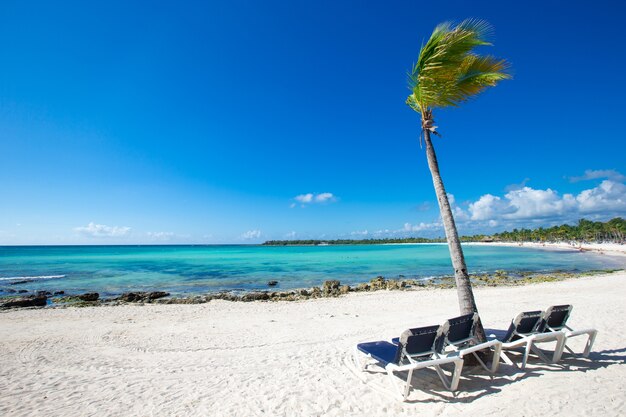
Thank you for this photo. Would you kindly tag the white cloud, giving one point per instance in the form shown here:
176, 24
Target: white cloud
101, 230
161, 235
591, 174
251, 234
408, 227
323, 197
486, 207
311, 198
529, 203
291, 235
609, 196
607, 199
524, 206
360, 233
304, 198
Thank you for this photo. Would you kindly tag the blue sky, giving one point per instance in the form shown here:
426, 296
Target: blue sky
237, 122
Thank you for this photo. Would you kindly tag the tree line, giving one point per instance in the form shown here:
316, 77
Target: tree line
613, 230
314, 242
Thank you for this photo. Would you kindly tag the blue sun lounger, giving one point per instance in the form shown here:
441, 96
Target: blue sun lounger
459, 336
555, 319
416, 349
525, 333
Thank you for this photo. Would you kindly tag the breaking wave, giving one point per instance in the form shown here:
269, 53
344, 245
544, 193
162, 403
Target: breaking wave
31, 278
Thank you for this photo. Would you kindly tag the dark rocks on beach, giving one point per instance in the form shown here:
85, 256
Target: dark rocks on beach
199, 299
29, 301
59, 292
10, 291
42, 293
331, 287
22, 291
255, 296
89, 296
136, 297
272, 283
378, 283
393, 284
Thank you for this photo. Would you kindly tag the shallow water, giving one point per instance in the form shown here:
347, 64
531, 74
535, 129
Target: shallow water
111, 270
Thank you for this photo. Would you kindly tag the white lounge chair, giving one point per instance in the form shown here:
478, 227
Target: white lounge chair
555, 319
416, 349
524, 333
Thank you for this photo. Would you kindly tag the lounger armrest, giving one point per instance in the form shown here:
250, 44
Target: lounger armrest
482, 346
579, 332
424, 364
547, 337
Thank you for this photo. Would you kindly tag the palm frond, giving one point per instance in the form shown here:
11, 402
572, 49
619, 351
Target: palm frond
448, 72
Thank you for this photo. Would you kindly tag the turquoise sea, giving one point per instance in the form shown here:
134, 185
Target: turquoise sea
111, 270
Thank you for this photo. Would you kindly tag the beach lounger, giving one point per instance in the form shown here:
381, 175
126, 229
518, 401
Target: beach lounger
459, 334
525, 333
416, 349
459, 337
555, 319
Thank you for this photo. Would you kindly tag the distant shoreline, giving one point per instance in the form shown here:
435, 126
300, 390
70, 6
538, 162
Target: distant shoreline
616, 249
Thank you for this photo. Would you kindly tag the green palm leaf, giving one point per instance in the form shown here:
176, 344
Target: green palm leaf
448, 72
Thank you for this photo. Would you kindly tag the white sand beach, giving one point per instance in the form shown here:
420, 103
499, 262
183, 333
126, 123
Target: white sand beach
293, 358
614, 249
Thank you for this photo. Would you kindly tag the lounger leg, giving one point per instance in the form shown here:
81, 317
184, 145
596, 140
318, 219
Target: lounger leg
506, 358
592, 338
458, 368
496, 358
529, 345
558, 350
539, 353
408, 384
397, 388
480, 361
453, 382
444, 379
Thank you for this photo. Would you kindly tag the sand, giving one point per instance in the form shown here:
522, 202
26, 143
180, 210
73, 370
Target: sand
294, 358
612, 249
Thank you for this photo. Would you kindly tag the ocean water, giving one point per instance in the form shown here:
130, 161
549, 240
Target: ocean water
111, 270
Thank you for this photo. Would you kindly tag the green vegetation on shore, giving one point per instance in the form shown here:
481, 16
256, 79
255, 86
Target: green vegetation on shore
585, 231
613, 230
313, 242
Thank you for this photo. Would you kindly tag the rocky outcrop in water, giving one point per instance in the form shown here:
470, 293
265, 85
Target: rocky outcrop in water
28, 301
141, 297
89, 296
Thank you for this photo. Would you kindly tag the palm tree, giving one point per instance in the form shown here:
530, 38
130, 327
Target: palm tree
448, 72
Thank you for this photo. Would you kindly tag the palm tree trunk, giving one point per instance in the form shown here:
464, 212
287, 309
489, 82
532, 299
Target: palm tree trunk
467, 303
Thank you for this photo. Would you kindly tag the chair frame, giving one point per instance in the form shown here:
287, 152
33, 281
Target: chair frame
471, 345
528, 342
416, 361
568, 331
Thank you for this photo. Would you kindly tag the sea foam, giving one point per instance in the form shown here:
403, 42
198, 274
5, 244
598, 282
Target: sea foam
31, 278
